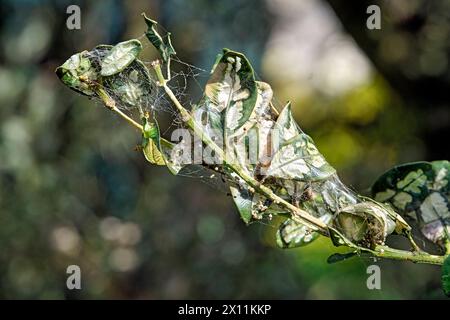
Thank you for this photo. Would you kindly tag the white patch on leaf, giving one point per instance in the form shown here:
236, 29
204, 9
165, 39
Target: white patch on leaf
287, 165
413, 181
401, 200
241, 95
290, 132
238, 64
435, 231
384, 195
439, 181
434, 207
318, 161
120, 56
234, 114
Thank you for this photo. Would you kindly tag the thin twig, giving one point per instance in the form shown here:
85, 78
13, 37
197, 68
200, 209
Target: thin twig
111, 104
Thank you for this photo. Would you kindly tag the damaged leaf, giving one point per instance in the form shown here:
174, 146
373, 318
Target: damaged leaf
297, 157
420, 192
235, 112
292, 234
120, 57
130, 87
77, 68
253, 206
243, 201
235, 109
364, 223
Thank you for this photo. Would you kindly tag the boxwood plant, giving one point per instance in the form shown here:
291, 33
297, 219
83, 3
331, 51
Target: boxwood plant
286, 176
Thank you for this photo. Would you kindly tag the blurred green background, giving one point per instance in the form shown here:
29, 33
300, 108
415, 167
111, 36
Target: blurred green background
73, 190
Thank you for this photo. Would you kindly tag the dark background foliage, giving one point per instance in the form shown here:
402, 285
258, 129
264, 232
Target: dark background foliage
74, 191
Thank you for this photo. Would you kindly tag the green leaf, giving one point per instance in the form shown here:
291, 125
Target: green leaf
163, 45
409, 180
78, 65
244, 203
151, 143
446, 276
131, 86
292, 234
158, 150
338, 257
120, 57
419, 191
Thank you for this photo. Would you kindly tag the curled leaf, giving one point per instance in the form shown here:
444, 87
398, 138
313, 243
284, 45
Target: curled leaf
158, 150
151, 143
120, 57
365, 223
235, 112
77, 68
129, 87
163, 45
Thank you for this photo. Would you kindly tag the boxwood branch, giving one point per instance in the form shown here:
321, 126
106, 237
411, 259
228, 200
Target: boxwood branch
380, 251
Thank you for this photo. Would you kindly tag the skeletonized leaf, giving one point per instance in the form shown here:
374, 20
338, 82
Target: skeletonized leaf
120, 56
297, 157
420, 192
235, 111
293, 234
163, 45
131, 86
